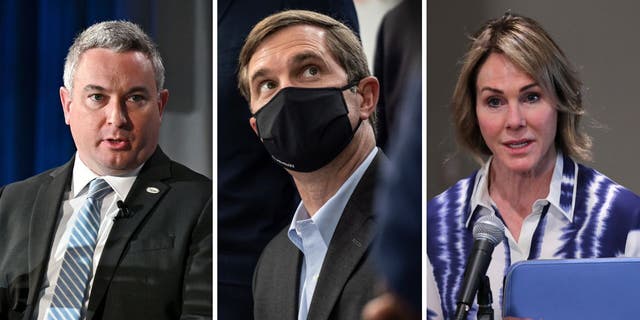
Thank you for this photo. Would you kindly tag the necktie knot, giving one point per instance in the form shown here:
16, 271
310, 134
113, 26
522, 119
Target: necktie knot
98, 189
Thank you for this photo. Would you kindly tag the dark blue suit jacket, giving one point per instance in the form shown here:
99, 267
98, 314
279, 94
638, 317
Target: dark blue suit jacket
398, 206
398, 201
256, 198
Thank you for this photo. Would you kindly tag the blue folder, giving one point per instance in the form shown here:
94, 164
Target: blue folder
573, 289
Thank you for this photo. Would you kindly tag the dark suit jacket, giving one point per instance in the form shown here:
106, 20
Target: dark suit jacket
156, 263
397, 55
347, 278
398, 204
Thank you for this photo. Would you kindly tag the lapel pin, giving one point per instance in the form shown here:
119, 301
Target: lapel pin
153, 190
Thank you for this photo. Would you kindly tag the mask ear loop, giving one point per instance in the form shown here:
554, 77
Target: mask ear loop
350, 85
357, 126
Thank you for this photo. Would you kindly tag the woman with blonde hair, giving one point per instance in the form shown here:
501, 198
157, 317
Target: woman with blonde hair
517, 108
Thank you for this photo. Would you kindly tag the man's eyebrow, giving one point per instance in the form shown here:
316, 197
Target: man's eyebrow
143, 89
93, 87
305, 56
297, 59
258, 74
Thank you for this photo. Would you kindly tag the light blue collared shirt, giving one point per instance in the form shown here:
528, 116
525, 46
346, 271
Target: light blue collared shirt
312, 235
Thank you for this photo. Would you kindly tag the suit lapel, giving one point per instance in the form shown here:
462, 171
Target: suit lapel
146, 191
289, 286
350, 241
42, 226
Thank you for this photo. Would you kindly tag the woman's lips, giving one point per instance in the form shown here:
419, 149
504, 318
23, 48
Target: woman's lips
518, 146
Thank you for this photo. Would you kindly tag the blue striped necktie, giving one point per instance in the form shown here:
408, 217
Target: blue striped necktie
77, 264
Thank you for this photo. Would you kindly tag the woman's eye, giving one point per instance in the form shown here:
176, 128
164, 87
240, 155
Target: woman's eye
532, 97
311, 71
494, 102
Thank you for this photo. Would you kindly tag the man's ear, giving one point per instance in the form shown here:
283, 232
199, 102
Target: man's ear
162, 101
65, 99
369, 88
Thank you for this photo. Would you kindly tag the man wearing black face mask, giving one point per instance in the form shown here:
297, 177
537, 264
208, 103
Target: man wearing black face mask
312, 98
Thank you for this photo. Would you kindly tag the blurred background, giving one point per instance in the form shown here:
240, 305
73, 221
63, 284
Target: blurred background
599, 38
35, 37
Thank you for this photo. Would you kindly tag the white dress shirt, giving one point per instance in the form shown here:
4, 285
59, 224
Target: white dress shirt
584, 215
72, 202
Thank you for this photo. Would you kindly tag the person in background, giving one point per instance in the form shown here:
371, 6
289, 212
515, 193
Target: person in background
398, 207
517, 107
312, 97
397, 60
120, 231
398, 247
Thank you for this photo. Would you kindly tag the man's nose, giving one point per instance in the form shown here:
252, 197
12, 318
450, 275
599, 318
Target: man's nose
285, 84
117, 113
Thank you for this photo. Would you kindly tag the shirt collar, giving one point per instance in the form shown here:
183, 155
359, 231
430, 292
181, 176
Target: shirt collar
562, 190
82, 175
327, 217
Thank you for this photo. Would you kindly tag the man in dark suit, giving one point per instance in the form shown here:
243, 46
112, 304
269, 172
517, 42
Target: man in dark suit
312, 98
397, 56
249, 213
147, 254
398, 203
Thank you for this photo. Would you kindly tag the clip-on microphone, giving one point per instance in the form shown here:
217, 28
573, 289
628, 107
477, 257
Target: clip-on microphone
123, 211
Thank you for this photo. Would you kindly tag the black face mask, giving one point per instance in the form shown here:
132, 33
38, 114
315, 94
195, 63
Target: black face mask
305, 128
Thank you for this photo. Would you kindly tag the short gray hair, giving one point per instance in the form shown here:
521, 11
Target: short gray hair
119, 36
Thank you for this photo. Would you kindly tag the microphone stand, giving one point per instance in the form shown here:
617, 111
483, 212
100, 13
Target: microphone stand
461, 311
485, 299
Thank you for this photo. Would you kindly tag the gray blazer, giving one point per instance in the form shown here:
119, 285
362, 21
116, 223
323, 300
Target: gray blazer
347, 277
156, 263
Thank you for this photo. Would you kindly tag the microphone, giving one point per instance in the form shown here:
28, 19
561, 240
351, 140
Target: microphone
123, 211
487, 233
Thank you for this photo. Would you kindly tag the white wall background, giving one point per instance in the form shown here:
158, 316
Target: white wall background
370, 14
